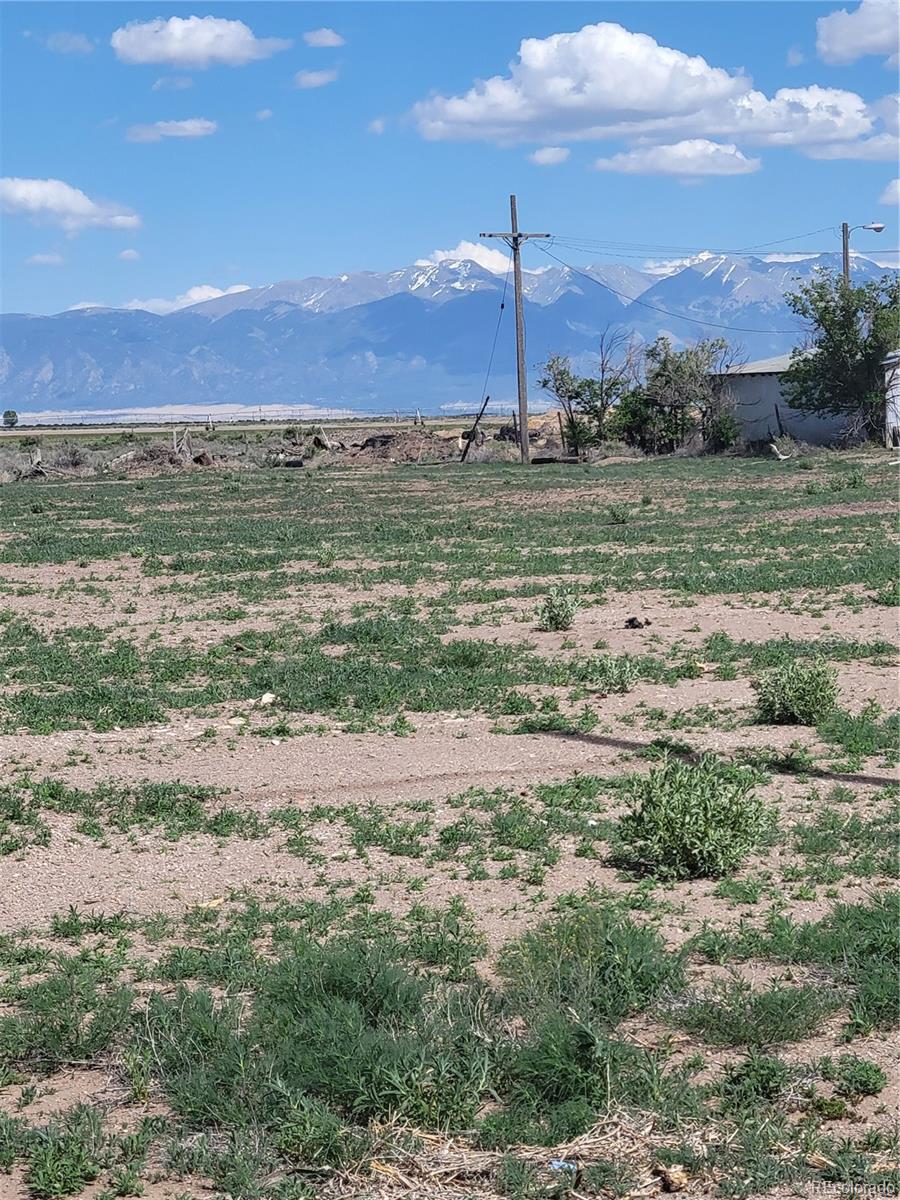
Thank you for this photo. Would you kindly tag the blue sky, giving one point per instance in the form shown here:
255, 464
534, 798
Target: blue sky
228, 150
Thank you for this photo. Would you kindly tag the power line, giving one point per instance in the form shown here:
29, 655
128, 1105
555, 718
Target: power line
665, 312
669, 248
487, 374
797, 237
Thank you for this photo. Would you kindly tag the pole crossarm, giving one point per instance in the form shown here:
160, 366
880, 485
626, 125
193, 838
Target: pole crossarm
514, 239
522, 237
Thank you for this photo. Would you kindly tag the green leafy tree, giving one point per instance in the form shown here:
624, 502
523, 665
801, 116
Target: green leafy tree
684, 394
10, 419
587, 402
853, 328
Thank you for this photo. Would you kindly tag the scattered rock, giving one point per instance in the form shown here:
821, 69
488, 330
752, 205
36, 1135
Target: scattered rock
267, 699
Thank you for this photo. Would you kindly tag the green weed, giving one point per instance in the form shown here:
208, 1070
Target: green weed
685, 821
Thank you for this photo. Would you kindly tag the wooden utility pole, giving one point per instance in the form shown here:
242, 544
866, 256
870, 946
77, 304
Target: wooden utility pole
514, 240
845, 250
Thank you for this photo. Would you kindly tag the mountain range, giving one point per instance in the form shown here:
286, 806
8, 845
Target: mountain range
368, 342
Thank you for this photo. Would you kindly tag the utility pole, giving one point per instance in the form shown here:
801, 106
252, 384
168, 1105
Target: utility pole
514, 240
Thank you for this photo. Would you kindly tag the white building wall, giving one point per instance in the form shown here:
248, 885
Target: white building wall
763, 413
892, 398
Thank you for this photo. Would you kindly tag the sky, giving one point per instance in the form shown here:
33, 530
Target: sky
152, 154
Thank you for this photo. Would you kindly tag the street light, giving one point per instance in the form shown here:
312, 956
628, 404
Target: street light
846, 230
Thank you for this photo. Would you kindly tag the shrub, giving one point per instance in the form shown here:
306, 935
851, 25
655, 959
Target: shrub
558, 611
687, 821
612, 673
722, 431
797, 693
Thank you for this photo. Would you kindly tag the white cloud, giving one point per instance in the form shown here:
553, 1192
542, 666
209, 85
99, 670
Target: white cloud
323, 38
572, 83
872, 28
172, 83
798, 116
193, 127
69, 43
795, 57
379, 125
549, 156
193, 42
194, 295
264, 114
314, 79
881, 148
891, 194
58, 203
887, 111
45, 260
493, 260
604, 81
128, 255
691, 158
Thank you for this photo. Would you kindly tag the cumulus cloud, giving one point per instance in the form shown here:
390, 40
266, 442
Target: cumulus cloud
694, 157
193, 42
549, 156
574, 83
172, 83
57, 203
128, 255
193, 127
379, 125
798, 117
263, 114
69, 43
872, 28
604, 81
314, 79
194, 295
45, 260
492, 260
795, 57
891, 194
323, 38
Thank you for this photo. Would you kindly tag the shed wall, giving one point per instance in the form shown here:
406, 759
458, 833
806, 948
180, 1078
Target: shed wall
757, 397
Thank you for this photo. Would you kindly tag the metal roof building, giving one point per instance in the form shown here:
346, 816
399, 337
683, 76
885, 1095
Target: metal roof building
763, 413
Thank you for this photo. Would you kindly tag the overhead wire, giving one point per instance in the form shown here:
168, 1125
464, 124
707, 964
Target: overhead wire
655, 308
671, 248
487, 374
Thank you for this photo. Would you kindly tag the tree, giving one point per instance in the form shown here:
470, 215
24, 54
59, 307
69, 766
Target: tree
587, 401
840, 371
10, 419
684, 393
566, 387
